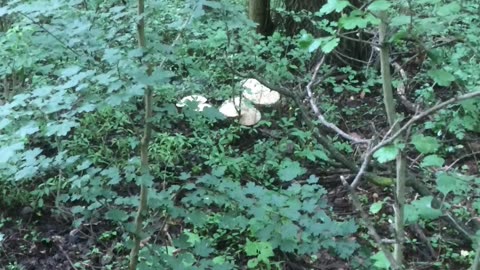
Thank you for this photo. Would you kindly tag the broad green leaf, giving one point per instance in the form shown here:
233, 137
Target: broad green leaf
424, 208
441, 77
315, 44
376, 207
386, 154
449, 9
379, 5
333, 5
330, 45
4, 122
352, 22
203, 248
9, 151
193, 238
425, 144
60, 129
28, 129
432, 161
145, 179
400, 20
446, 183
117, 215
252, 263
289, 170
305, 40
70, 71
458, 184
380, 260
412, 217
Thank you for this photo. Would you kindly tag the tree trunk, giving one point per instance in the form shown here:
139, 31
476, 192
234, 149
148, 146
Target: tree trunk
259, 12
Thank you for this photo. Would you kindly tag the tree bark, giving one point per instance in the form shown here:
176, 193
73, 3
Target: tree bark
259, 12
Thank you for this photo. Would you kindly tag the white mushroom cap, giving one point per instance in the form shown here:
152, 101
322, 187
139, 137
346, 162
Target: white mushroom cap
193, 98
231, 107
202, 106
258, 93
249, 116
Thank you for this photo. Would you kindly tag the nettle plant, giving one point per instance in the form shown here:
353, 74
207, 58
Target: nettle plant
71, 132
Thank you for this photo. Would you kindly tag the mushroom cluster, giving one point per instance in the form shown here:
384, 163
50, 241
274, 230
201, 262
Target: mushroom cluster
242, 107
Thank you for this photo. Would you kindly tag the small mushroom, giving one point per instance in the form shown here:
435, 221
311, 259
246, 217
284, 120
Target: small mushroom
259, 94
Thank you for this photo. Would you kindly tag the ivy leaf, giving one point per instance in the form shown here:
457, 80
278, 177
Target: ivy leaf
289, 170
425, 144
386, 154
379, 5
441, 77
432, 161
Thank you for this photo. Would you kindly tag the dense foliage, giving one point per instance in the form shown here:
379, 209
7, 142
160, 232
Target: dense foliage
223, 195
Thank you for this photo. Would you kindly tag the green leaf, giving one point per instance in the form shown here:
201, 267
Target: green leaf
379, 5
333, 5
425, 144
9, 151
386, 154
145, 179
380, 260
305, 40
352, 22
289, 170
425, 210
441, 77
60, 129
376, 207
457, 184
252, 263
117, 215
449, 9
400, 20
70, 71
446, 183
432, 161
315, 44
28, 129
330, 45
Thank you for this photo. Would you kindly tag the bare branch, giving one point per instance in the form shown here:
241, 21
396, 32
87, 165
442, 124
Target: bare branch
319, 115
356, 203
422, 115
